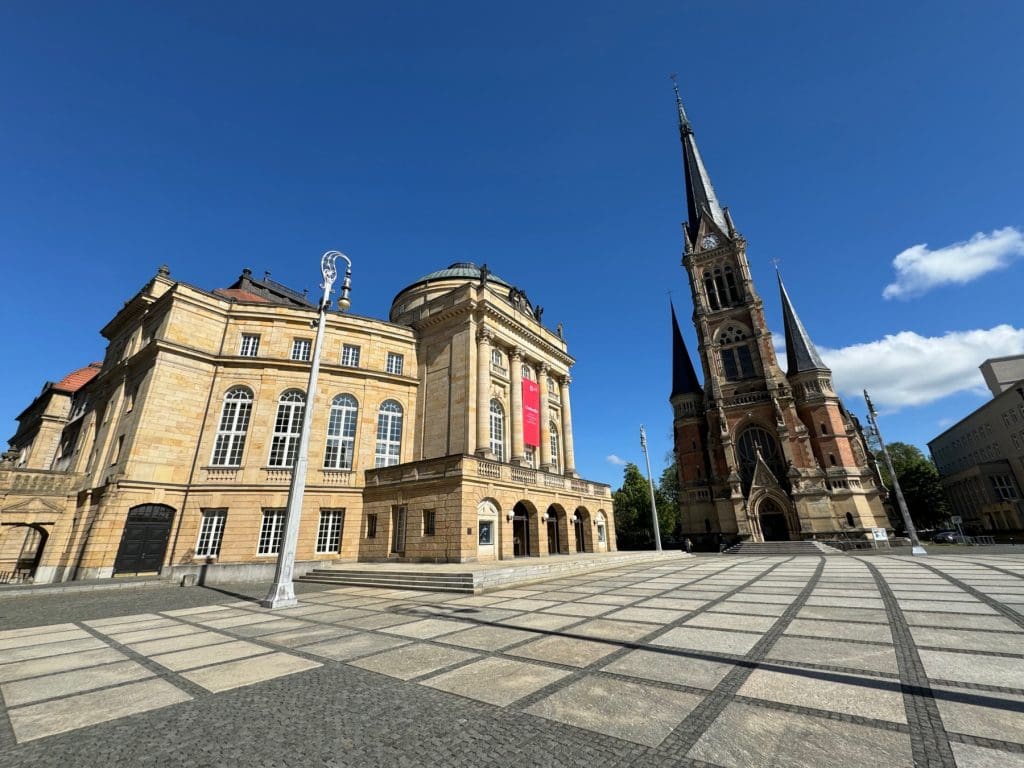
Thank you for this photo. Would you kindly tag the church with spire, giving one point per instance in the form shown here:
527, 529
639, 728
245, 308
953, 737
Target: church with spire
762, 454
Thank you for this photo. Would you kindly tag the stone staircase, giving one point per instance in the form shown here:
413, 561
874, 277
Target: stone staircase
390, 579
474, 578
782, 548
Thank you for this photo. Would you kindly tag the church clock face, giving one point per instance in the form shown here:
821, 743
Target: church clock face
709, 241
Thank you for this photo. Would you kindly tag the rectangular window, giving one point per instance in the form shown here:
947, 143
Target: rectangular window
350, 355
496, 357
271, 532
117, 450
328, 536
371, 526
732, 372
250, 345
395, 363
428, 522
1004, 487
602, 537
301, 349
211, 531
486, 532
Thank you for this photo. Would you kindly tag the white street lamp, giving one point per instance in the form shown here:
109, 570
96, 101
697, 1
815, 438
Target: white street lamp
282, 592
915, 543
650, 485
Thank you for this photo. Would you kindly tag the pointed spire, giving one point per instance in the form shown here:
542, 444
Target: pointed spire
801, 355
700, 195
684, 378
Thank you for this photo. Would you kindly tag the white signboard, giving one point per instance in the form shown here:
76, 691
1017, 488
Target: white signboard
880, 534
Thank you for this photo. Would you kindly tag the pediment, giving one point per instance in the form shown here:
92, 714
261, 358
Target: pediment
31, 506
763, 476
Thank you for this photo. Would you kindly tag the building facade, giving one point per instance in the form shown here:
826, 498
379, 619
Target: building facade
981, 458
442, 434
761, 454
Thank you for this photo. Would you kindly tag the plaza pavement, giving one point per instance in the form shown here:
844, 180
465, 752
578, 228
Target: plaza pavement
711, 661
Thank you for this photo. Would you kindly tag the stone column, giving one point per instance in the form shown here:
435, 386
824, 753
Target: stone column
545, 423
516, 420
483, 393
569, 460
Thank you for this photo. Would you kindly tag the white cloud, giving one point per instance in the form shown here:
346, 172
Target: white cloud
907, 369
918, 269
613, 459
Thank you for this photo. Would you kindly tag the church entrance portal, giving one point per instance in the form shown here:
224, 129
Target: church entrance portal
773, 522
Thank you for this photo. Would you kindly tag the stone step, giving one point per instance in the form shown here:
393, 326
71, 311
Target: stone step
411, 585
781, 548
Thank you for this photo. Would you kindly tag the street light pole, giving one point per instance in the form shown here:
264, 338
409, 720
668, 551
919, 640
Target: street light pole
915, 543
650, 485
282, 592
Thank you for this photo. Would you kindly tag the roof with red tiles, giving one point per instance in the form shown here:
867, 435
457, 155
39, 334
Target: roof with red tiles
75, 380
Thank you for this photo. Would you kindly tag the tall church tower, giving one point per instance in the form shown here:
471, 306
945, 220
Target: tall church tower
762, 454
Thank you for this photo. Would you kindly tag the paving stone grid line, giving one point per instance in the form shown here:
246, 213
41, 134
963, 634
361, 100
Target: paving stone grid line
928, 738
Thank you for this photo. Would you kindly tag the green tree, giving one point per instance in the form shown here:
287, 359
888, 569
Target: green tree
919, 481
667, 495
633, 511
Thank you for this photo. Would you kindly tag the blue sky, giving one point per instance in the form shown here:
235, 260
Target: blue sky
540, 139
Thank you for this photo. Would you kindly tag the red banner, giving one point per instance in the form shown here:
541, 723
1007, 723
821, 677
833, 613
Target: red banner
531, 413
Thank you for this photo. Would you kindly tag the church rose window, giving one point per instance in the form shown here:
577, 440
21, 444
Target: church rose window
750, 441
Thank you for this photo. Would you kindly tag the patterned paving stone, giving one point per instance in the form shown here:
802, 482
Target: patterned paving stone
496, 681
235, 674
981, 713
708, 640
570, 651
971, 756
64, 684
487, 638
20, 670
45, 719
835, 653
632, 711
414, 660
877, 633
208, 654
746, 736
861, 696
999, 642
670, 667
351, 646
971, 668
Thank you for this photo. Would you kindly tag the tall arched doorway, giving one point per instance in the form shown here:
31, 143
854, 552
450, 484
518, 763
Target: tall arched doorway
773, 521
581, 530
558, 531
523, 542
21, 551
144, 541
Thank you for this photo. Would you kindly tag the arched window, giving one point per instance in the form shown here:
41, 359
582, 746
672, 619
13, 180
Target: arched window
287, 429
602, 529
554, 447
752, 440
341, 433
389, 434
735, 297
734, 352
497, 430
234, 423
723, 294
711, 290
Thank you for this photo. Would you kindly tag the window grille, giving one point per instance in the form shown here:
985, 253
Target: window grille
341, 432
396, 363
250, 345
271, 532
389, 434
211, 531
301, 349
284, 445
350, 355
328, 536
234, 423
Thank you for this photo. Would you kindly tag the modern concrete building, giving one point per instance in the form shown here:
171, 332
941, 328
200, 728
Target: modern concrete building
442, 434
762, 455
981, 457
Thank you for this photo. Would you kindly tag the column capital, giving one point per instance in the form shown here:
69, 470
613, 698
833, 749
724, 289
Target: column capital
516, 353
566, 380
484, 335
542, 369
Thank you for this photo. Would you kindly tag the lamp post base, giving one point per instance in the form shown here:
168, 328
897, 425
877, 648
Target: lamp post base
918, 550
280, 596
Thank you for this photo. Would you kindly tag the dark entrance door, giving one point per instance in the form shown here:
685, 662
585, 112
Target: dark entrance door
578, 526
553, 543
398, 517
773, 522
144, 540
520, 535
